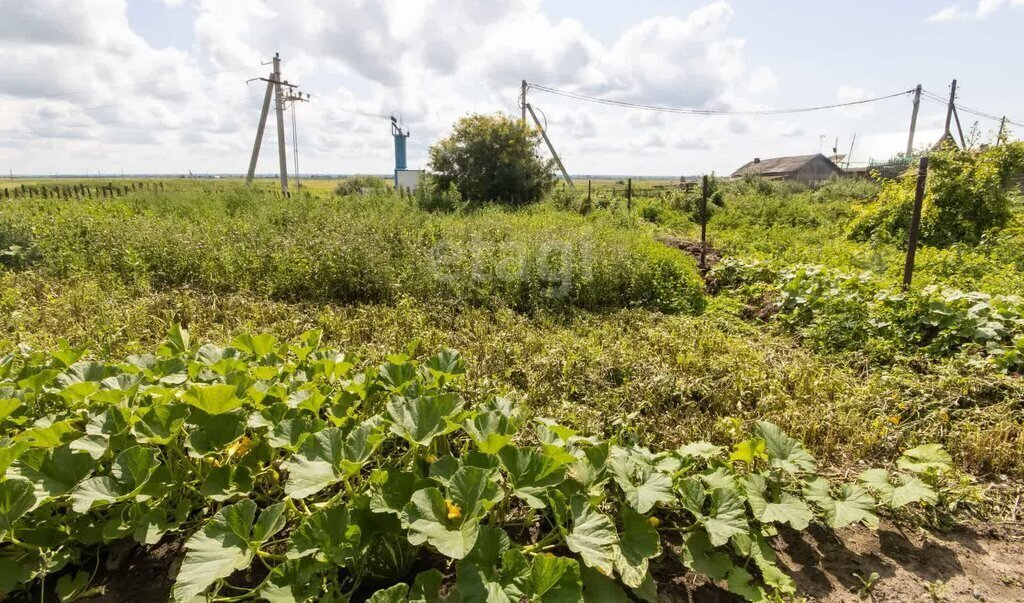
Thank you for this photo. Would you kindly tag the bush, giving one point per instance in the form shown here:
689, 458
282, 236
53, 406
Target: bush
492, 159
356, 185
966, 196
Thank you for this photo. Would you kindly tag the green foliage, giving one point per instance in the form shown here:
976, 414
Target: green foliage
843, 312
966, 197
354, 250
358, 185
492, 159
402, 470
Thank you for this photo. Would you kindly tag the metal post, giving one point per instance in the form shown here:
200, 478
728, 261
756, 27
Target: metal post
551, 148
949, 109
282, 152
915, 222
703, 222
913, 120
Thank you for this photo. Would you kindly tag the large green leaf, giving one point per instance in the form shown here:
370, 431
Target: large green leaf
419, 420
783, 451
638, 543
328, 534
216, 551
785, 508
473, 490
727, 516
702, 557
328, 456
213, 433
294, 581
491, 431
910, 489
9, 452
8, 406
17, 496
431, 520
394, 491
213, 399
160, 424
854, 504
531, 474
593, 536
129, 473
53, 472
924, 458
650, 488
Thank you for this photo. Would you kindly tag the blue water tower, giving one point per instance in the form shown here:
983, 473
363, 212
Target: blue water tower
400, 138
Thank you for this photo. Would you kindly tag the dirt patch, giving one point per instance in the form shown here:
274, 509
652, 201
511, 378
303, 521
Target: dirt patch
971, 563
712, 256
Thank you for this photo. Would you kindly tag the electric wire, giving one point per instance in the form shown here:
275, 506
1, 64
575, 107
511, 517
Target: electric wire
693, 111
965, 109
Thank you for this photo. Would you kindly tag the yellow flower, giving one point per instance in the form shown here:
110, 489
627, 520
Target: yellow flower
895, 419
431, 458
240, 447
654, 521
454, 512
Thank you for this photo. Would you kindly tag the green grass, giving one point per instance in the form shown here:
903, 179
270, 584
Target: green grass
351, 250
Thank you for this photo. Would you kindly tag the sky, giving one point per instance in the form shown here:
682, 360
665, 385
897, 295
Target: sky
159, 86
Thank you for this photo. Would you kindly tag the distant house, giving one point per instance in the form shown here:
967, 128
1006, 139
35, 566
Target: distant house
809, 169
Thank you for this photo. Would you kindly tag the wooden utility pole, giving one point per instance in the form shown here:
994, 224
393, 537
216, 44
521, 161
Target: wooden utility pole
704, 223
551, 147
949, 109
629, 194
913, 120
522, 100
999, 137
915, 222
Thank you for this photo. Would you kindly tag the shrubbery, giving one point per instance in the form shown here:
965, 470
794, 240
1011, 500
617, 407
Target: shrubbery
967, 195
355, 185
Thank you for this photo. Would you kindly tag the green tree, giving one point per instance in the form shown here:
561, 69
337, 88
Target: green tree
967, 194
492, 158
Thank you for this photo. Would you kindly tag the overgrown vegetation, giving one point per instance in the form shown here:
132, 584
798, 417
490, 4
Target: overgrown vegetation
375, 249
967, 196
336, 478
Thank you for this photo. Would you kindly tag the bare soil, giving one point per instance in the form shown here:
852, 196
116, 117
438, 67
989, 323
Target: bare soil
983, 562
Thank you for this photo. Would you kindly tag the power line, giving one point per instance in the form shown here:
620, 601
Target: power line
966, 109
692, 111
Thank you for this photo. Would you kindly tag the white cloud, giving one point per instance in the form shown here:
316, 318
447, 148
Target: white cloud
83, 91
983, 10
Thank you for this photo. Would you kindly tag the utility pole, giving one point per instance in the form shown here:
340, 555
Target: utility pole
949, 109
281, 150
522, 100
850, 154
999, 137
913, 120
551, 148
275, 86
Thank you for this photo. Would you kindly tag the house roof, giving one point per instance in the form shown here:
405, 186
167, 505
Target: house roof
774, 166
